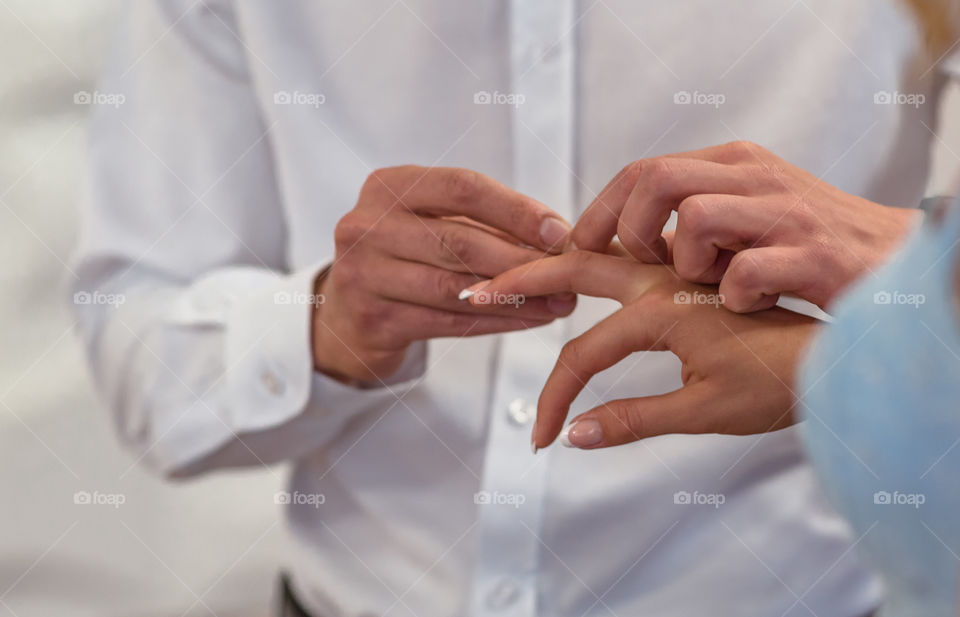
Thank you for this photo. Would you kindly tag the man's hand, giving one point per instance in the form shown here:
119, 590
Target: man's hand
416, 237
737, 369
746, 219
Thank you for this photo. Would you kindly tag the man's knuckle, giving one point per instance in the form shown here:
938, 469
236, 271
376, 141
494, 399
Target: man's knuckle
658, 173
370, 317
745, 271
349, 230
343, 274
693, 216
379, 180
742, 146
802, 215
632, 172
459, 323
446, 285
637, 240
453, 247
462, 186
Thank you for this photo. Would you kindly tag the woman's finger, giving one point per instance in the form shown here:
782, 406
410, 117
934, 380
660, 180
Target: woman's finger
687, 410
634, 328
438, 288
580, 272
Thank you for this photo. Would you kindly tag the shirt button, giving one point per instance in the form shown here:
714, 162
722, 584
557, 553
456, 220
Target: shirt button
520, 412
272, 383
504, 593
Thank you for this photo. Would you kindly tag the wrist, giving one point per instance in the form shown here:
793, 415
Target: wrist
319, 330
337, 347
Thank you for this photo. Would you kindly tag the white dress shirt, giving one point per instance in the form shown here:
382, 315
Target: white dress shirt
246, 131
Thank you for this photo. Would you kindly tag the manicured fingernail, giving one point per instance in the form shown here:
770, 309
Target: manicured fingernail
562, 304
554, 232
469, 291
581, 434
533, 441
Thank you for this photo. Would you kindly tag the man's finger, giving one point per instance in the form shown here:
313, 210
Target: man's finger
580, 272
635, 328
598, 223
709, 226
689, 410
448, 191
756, 278
662, 186
424, 323
452, 245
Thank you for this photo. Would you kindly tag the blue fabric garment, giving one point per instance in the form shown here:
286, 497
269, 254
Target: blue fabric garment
880, 393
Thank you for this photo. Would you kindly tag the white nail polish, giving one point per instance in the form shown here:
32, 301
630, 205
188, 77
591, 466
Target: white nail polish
565, 436
533, 447
465, 294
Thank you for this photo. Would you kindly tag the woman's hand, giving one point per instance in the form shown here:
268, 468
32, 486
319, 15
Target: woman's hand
746, 219
738, 369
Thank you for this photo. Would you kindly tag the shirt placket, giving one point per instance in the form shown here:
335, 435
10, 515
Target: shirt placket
511, 500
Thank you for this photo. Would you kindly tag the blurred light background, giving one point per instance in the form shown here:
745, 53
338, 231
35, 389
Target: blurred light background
187, 549
191, 549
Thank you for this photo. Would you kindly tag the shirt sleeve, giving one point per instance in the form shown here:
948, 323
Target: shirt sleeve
197, 331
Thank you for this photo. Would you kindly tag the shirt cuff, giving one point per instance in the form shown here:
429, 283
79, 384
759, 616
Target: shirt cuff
269, 361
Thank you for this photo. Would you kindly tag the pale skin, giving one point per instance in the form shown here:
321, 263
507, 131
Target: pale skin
737, 369
746, 220
415, 238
